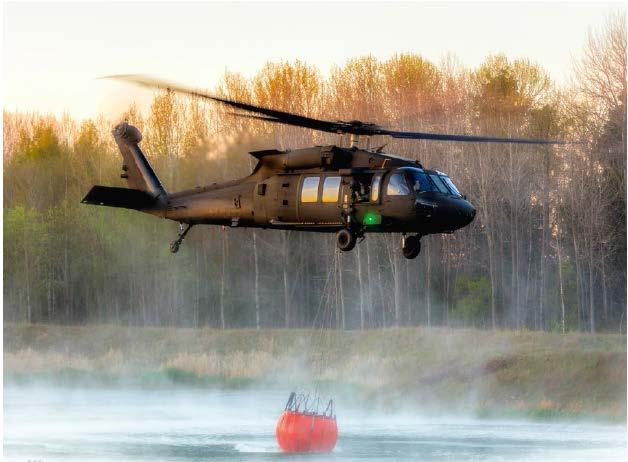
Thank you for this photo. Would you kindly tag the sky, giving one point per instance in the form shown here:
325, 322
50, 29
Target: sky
54, 53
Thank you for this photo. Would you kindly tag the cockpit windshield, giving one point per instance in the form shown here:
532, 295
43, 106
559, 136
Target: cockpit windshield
438, 182
451, 185
422, 181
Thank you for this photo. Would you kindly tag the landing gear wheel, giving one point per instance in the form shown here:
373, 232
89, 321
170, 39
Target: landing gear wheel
411, 247
174, 246
345, 240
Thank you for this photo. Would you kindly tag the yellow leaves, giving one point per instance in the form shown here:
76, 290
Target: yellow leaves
289, 87
132, 115
235, 86
88, 138
44, 142
505, 94
294, 87
533, 83
495, 85
413, 83
174, 127
164, 124
501, 86
356, 90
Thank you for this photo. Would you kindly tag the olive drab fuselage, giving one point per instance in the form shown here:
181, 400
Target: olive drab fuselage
357, 195
323, 189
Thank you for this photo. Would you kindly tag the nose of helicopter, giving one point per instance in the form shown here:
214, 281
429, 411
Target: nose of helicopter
465, 213
446, 214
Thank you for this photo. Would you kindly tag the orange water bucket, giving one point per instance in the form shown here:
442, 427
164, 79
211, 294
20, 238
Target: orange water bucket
300, 430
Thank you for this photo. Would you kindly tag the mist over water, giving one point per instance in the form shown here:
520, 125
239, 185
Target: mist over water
185, 424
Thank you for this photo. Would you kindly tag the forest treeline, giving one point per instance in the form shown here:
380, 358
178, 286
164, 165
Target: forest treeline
546, 251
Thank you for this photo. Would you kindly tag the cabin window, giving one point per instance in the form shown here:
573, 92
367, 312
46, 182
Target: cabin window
331, 188
377, 181
397, 185
309, 190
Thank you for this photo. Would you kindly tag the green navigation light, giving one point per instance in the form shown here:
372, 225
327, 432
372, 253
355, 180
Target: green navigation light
371, 218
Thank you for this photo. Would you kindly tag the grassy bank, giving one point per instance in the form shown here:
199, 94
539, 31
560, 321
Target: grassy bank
503, 373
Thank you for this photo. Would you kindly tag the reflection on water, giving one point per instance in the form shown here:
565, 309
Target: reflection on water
64, 424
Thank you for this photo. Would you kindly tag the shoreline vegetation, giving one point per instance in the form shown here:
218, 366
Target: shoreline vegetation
482, 373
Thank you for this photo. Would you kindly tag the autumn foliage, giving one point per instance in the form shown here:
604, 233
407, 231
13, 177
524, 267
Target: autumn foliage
546, 251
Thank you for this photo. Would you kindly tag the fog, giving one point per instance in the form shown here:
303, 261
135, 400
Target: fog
61, 424
545, 252
114, 349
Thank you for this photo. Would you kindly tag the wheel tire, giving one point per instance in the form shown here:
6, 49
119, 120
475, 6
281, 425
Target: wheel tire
345, 240
174, 247
411, 247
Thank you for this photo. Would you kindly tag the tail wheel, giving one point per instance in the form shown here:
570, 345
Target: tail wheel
345, 240
411, 247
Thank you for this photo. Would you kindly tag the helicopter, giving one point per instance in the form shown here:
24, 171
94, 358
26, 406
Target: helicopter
330, 189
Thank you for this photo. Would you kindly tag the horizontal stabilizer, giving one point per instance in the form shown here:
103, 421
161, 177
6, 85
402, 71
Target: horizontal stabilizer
119, 197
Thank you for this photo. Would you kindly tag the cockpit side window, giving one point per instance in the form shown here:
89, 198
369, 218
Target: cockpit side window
421, 182
397, 185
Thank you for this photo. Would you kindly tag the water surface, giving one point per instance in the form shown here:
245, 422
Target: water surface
66, 424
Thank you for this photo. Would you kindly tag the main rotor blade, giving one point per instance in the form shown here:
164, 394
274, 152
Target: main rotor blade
353, 127
282, 121
465, 138
275, 115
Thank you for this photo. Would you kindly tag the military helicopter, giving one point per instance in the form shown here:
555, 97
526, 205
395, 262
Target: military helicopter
347, 191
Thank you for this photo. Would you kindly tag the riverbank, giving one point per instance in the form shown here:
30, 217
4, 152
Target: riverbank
483, 373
